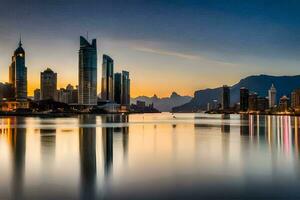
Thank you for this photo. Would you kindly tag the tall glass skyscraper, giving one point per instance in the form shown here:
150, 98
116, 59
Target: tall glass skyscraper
18, 73
125, 88
107, 86
118, 88
87, 90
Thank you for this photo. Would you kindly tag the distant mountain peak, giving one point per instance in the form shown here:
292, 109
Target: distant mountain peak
174, 95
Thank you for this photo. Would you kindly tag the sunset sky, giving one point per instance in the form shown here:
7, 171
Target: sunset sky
170, 45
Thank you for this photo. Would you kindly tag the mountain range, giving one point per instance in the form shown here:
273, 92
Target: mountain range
257, 83
164, 104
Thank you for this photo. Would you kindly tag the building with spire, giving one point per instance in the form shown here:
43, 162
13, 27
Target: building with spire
18, 73
272, 96
87, 88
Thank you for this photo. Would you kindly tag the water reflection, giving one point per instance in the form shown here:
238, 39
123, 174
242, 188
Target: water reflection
138, 156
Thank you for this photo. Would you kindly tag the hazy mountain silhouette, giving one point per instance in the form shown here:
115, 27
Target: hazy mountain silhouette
164, 104
258, 83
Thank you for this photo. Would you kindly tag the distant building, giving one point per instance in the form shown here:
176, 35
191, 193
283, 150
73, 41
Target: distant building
118, 88
262, 104
252, 102
244, 99
37, 95
125, 89
272, 96
225, 97
48, 85
87, 91
7, 91
68, 95
295, 100
18, 73
107, 86
8, 106
283, 104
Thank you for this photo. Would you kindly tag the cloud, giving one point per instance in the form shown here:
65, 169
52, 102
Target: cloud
184, 56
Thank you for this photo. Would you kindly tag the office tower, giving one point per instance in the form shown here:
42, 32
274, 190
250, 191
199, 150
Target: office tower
37, 95
48, 85
225, 97
87, 91
252, 102
107, 87
18, 73
244, 95
118, 88
295, 99
125, 88
272, 96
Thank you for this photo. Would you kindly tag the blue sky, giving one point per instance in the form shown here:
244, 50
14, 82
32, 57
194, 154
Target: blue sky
179, 45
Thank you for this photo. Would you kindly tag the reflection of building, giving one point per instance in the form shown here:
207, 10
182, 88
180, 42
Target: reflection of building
225, 126
107, 139
107, 87
87, 150
244, 95
225, 97
244, 126
48, 142
295, 99
87, 90
272, 96
48, 85
18, 73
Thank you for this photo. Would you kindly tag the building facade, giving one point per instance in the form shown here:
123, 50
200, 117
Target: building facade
244, 102
6, 91
118, 88
253, 102
272, 96
125, 88
295, 100
18, 73
107, 86
68, 95
225, 97
37, 95
87, 89
48, 85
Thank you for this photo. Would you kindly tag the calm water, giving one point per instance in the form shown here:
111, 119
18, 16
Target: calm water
149, 156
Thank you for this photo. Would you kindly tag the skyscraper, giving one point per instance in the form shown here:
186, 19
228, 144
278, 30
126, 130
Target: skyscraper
107, 86
272, 96
244, 102
295, 99
125, 88
87, 91
225, 97
118, 88
18, 73
48, 85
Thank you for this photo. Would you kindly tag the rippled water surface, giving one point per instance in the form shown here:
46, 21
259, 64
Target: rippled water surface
150, 156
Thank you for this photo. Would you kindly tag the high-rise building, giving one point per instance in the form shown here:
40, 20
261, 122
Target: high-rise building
118, 88
68, 95
252, 102
48, 85
18, 73
107, 86
272, 96
225, 97
295, 99
244, 102
37, 95
125, 88
262, 104
87, 91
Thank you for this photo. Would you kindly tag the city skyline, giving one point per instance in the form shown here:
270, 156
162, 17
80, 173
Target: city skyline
213, 35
